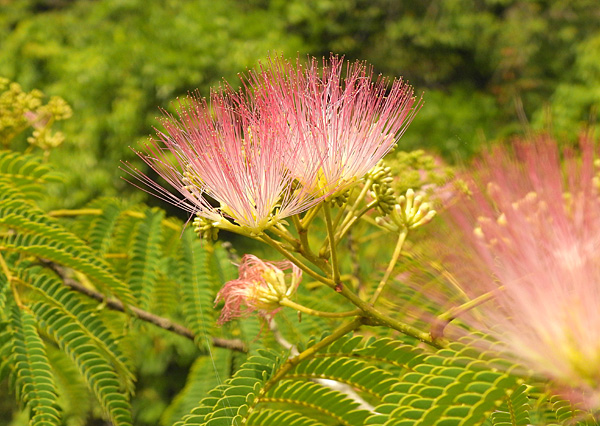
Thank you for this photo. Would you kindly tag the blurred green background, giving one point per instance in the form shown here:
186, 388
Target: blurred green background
488, 69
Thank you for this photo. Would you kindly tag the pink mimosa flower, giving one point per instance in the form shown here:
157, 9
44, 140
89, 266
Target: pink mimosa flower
531, 241
260, 287
338, 113
233, 152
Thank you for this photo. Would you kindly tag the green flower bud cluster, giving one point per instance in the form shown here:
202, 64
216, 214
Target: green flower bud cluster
205, 228
417, 170
20, 110
381, 189
341, 198
410, 212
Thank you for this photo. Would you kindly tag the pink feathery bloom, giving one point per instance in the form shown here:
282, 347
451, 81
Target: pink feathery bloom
337, 112
232, 151
260, 287
530, 231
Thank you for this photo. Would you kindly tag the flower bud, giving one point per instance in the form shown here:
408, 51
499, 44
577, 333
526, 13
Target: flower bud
260, 287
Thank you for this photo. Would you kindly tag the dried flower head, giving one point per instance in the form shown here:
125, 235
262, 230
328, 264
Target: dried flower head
532, 233
260, 287
339, 114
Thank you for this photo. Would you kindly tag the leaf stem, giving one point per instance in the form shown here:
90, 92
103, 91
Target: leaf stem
304, 248
335, 267
309, 311
164, 323
98, 212
437, 328
11, 281
292, 362
327, 281
310, 215
391, 265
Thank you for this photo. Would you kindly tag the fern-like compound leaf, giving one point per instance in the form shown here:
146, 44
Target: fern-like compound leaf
32, 374
25, 174
206, 373
454, 387
143, 268
74, 324
232, 402
199, 284
332, 403
271, 417
515, 412
36, 234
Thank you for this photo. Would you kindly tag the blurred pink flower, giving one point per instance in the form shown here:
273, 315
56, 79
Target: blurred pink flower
531, 239
232, 152
260, 287
338, 113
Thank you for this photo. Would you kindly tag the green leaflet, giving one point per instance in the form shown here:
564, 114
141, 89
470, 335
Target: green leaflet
74, 323
98, 230
322, 399
515, 412
32, 375
199, 285
75, 316
25, 174
145, 251
75, 398
280, 417
450, 387
231, 402
205, 374
39, 235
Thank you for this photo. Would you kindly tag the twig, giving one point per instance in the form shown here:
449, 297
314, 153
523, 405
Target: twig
164, 323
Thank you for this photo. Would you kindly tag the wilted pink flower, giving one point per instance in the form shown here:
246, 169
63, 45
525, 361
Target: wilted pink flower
260, 287
531, 228
232, 151
338, 113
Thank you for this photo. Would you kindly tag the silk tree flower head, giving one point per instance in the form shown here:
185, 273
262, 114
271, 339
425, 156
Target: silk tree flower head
338, 112
233, 152
260, 287
532, 232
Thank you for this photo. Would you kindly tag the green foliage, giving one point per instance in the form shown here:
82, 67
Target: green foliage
517, 410
142, 270
32, 375
24, 174
489, 69
456, 386
131, 253
199, 284
205, 374
116, 61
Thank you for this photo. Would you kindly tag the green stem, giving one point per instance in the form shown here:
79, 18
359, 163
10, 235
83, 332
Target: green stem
11, 281
391, 266
292, 362
335, 267
349, 216
98, 212
304, 248
265, 238
310, 215
369, 311
309, 311
348, 224
380, 318
437, 328
284, 234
